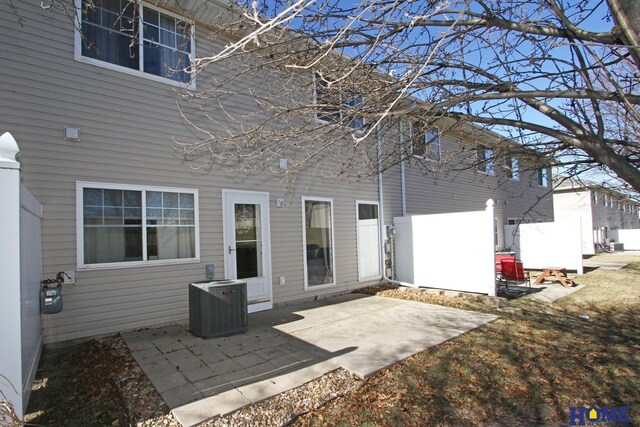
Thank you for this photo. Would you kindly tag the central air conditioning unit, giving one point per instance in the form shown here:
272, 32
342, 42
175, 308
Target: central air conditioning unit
218, 308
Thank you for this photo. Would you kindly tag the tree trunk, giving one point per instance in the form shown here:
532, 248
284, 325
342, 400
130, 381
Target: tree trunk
626, 14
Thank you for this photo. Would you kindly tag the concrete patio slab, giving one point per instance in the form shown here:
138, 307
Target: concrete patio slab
287, 347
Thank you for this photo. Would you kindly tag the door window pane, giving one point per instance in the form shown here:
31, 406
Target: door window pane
367, 211
248, 240
318, 223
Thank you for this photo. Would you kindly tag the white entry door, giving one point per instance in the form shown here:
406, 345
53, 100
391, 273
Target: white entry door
247, 244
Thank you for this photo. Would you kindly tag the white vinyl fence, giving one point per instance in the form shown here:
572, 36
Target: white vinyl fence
547, 244
629, 238
21, 266
428, 254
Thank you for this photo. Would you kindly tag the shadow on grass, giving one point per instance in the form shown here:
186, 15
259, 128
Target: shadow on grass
76, 386
523, 369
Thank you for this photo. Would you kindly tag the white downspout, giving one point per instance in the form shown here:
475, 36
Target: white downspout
403, 185
381, 222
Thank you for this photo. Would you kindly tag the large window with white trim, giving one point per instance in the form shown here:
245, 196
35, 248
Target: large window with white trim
123, 225
134, 37
318, 242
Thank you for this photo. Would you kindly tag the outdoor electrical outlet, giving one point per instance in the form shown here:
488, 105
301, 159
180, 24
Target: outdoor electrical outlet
69, 277
209, 271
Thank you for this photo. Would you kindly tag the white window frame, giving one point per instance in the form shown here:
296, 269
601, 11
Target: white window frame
308, 287
512, 168
594, 197
328, 122
139, 73
488, 162
380, 266
81, 185
544, 173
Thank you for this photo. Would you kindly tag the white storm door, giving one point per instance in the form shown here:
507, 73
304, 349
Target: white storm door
247, 244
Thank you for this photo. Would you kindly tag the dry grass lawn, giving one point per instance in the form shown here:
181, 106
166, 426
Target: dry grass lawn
523, 369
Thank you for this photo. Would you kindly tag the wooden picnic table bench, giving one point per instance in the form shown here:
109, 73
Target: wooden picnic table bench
555, 273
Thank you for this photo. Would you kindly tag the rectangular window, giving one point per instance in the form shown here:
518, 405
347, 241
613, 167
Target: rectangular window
135, 38
543, 177
368, 240
485, 161
512, 168
425, 143
318, 242
123, 225
594, 197
337, 105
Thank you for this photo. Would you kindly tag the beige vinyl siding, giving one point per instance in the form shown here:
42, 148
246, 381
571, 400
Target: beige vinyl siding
468, 191
126, 128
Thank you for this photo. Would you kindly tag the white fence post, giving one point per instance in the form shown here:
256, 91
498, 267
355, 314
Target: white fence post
489, 256
10, 305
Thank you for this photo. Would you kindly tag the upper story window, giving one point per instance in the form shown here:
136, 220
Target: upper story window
136, 39
543, 177
425, 143
337, 105
124, 225
512, 168
485, 161
606, 201
594, 197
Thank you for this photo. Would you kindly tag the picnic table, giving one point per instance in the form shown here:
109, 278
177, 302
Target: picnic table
555, 273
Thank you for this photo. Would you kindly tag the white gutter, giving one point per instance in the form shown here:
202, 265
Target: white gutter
381, 215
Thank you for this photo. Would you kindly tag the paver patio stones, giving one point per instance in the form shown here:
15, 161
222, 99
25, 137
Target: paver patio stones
271, 353
163, 383
213, 356
287, 347
247, 360
212, 385
225, 366
169, 347
147, 353
184, 359
198, 374
181, 395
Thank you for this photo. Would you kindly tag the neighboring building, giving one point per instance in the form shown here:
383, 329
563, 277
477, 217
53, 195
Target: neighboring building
136, 223
600, 210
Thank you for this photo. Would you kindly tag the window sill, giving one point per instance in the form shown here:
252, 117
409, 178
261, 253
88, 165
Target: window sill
369, 278
191, 85
134, 264
308, 287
